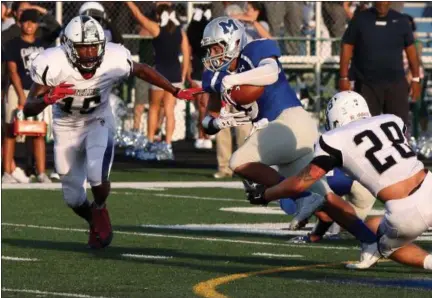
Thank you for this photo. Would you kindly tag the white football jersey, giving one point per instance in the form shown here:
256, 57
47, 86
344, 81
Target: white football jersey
91, 98
373, 150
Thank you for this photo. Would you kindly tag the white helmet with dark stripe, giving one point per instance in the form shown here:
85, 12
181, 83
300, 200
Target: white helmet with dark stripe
81, 31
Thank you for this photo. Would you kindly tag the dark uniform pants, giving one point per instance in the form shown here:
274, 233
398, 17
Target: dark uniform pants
386, 98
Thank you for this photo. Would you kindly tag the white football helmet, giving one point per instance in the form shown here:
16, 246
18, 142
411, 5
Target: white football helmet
230, 35
94, 10
345, 107
83, 30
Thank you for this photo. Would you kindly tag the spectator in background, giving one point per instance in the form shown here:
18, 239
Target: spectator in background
6, 17
48, 33
18, 52
200, 19
256, 21
286, 19
424, 117
335, 18
169, 41
97, 11
374, 42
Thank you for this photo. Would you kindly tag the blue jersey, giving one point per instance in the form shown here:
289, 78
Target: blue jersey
277, 96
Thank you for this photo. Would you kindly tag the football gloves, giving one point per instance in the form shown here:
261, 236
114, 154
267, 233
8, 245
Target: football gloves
58, 92
255, 193
188, 94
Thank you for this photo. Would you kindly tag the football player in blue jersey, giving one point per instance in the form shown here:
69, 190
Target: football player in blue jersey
288, 139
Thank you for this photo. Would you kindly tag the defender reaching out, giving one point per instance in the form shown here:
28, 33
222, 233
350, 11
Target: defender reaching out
77, 78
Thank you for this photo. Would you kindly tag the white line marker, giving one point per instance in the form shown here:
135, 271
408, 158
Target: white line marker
146, 256
263, 254
199, 198
6, 258
136, 185
190, 238
49, 293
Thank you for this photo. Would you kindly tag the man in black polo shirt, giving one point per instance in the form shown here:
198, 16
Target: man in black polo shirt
375, 39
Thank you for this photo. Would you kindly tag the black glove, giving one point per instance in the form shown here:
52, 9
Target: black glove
255, 193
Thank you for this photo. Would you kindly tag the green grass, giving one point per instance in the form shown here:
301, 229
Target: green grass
66, 266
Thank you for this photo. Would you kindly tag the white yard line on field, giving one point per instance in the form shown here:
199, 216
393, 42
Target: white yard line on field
37, 292
136, 185
6, 258
133, 256
249, 242
199, 198
263, 254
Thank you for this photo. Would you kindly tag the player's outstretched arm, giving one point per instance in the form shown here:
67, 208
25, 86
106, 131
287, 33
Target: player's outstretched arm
293, 186
40, 96
149, 74
35, 103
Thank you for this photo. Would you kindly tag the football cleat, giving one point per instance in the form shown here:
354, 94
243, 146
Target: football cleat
369, 256
306, 206
101, 226
93, 241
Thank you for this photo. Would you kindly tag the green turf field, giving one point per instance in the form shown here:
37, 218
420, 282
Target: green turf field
166, 244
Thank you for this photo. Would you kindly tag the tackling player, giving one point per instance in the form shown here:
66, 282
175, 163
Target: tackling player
77, 78
288, 139
374, 151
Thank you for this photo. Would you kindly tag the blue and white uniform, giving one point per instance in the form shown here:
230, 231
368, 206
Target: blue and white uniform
288, 140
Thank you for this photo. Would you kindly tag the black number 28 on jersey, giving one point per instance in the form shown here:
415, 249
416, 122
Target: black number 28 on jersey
398, 143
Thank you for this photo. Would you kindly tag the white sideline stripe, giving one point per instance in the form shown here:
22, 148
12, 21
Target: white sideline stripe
423, 20
263, 254
49, 293
18, 259
270, 229
145, 256
136, 185
188, 237
200, 198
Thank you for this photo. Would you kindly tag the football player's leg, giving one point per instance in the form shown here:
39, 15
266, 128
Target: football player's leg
404, 221
70, 165
361, 200
286, 139
100, 154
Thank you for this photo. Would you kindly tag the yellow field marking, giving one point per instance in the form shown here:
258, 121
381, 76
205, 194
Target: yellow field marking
208, 288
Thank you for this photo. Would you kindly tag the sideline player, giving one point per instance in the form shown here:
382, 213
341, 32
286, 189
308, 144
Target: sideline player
77, 78
288, 139
375, 152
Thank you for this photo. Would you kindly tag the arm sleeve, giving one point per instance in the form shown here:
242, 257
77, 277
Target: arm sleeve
351, 32
266, 73
326, 156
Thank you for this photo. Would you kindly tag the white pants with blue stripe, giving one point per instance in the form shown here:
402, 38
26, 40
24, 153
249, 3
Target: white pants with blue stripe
83, 154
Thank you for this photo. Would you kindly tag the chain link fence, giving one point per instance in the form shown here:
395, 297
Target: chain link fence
308, 33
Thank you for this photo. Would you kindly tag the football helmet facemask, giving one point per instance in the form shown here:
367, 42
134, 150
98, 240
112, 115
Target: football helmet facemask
84, 31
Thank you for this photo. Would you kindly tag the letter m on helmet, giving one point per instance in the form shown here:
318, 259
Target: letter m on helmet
228, 26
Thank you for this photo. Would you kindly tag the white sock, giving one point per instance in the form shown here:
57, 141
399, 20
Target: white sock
427, 263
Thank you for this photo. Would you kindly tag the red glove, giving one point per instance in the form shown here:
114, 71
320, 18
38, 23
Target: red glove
58, 92
188, 94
